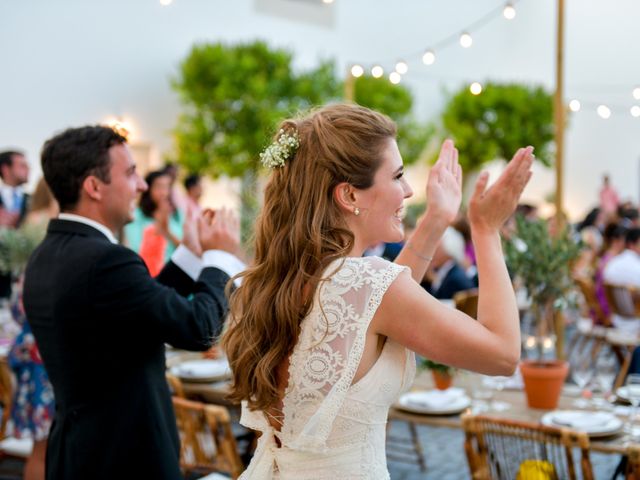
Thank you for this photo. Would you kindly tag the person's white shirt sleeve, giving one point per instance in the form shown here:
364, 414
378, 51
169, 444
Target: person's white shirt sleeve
192, 265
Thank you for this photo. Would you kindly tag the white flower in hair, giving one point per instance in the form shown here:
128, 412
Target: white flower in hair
282, 149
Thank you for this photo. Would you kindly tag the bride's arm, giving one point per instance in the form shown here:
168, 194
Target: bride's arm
490, 345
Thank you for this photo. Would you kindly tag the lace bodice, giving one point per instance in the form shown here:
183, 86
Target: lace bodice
332, 428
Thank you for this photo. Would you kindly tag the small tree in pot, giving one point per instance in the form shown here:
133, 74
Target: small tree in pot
442, 374
542, 262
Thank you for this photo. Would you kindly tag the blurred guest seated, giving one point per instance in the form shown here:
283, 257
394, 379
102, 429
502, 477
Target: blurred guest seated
624, 269
445, 276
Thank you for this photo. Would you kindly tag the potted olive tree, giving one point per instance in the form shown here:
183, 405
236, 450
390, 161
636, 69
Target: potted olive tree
542, 262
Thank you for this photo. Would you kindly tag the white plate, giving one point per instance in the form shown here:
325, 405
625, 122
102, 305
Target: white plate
595, 424
435, 402
623, 393
202, 370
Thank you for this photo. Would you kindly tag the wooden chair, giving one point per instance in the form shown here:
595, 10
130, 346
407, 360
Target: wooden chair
175, 384
624, 302
467, 301
506, 449
207, 442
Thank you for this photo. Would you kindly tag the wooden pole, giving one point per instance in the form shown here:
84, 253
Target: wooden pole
559, 114
349, 87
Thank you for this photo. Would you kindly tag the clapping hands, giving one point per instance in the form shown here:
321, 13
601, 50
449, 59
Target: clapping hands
213, 230
444, 187
490, 208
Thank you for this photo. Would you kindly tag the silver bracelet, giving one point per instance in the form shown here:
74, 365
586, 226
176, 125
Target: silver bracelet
418, 254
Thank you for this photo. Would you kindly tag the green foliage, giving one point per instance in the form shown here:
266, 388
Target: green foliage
494, 124
543, 262
395, 101
16, 247
233, 98
439, 367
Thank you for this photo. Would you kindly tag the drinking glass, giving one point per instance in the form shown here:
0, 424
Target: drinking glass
581, 374
496, 383
633, 391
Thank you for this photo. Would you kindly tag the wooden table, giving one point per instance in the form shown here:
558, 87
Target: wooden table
215, 392
518, 410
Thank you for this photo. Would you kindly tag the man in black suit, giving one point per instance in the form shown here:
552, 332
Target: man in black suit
101, 321
445, 276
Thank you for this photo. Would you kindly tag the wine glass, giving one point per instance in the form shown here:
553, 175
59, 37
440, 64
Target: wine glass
633, 392
606, 368
496, 383
581, 374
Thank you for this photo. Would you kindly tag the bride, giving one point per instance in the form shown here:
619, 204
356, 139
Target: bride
321, 339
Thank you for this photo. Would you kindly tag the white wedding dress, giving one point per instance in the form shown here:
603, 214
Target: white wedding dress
333, 430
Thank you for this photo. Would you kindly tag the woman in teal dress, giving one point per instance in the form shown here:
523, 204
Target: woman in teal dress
157, 226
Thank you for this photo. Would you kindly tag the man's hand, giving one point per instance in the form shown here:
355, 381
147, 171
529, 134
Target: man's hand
219, 230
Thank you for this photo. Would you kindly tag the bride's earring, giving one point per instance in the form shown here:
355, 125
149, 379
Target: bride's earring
356, 211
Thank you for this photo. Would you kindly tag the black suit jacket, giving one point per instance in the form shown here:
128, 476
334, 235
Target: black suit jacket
453, 282
101, 323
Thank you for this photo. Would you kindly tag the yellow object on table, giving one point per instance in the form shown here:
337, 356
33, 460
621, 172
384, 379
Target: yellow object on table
536, 470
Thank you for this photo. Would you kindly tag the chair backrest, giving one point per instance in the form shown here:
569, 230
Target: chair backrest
467, 301
623, 300
505, 449
588, 290
6, 395
207, 441
175, 385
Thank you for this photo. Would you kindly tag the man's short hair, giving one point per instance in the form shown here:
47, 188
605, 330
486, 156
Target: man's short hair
191, 181
6, 158
633, 236
71, 156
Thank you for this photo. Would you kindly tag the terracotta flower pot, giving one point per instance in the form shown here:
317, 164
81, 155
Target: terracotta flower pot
441, 379
543, 382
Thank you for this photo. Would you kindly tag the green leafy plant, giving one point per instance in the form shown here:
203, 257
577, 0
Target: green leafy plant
495, 123
233, 97
438, 367
16, 247
543, 262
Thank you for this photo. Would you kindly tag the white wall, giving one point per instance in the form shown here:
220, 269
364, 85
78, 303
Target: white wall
71, 62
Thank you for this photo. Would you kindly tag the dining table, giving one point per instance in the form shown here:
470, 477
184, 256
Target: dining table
512, 399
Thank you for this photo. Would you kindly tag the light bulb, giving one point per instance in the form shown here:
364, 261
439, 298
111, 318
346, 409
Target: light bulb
357, 71
327, 1
574, 105
509, 11
635, 111
402, 67
377, 71
475, 88
604, 111
165, 3
636, 93
395, 77
429, 57
465, 40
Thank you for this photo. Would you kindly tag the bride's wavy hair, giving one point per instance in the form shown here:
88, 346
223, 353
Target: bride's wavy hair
299, 231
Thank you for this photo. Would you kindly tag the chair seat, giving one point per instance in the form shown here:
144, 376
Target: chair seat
16, 447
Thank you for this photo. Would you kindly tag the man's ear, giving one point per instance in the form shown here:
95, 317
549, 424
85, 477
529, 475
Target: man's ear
345, 196
92, 187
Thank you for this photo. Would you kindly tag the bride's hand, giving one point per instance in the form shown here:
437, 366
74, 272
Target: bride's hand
490, 208
444, 186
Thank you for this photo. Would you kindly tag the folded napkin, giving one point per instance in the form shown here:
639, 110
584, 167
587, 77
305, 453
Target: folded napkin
582, 420
204, 368
435, 399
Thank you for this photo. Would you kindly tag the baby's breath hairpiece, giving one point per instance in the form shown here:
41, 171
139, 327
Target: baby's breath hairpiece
281, 150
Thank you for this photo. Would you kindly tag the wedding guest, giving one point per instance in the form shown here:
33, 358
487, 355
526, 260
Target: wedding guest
193, 187
320, 338
613, 244
33, 406
609, 198
101, 321
157, 224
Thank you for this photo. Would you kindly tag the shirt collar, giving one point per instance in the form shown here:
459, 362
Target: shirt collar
92, 223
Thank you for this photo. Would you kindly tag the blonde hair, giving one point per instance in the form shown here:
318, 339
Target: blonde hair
299, 231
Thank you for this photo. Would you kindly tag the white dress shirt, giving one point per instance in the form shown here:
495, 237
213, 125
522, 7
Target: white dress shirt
9, 194
624, 269
184, 258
